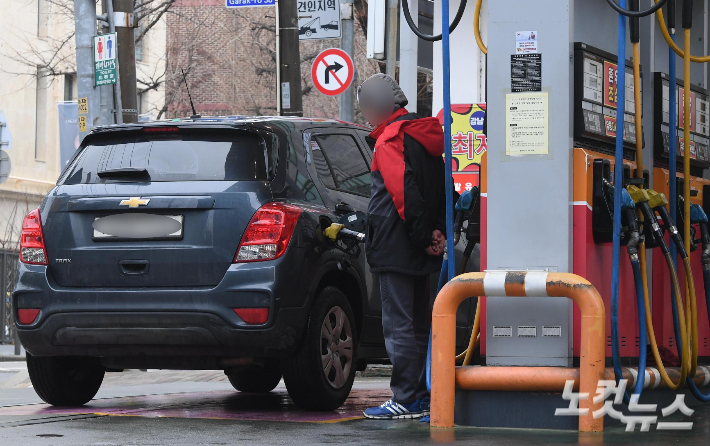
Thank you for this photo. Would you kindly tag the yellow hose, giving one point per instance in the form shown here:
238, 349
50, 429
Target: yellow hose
477, 27
685, 364
649, 325
689, 285
671, 43
473, 342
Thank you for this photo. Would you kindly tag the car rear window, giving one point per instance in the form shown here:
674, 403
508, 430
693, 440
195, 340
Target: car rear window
194, 155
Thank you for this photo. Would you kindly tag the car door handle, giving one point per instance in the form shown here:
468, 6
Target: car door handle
134, 267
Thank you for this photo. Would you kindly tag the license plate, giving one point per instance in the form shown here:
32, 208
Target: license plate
138, 227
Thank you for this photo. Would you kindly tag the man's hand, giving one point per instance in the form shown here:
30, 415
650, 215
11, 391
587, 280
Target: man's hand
438, 243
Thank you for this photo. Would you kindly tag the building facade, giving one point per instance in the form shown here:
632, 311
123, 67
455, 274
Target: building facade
37, 74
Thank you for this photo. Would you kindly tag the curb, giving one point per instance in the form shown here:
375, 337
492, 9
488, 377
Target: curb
12, 358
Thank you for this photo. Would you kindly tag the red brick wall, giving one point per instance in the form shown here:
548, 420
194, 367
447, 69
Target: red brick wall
230, 59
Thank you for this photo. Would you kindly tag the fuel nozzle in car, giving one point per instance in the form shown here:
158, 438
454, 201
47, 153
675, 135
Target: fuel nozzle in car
342, 235
338, 231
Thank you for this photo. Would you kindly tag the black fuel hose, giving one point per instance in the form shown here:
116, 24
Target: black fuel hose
628, 13
432, 38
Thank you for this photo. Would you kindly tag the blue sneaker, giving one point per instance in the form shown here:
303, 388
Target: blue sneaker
392, 410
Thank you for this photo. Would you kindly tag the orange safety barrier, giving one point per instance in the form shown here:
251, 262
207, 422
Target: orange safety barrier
552, 379
516, 283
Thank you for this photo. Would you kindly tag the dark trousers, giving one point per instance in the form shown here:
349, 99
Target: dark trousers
406, 320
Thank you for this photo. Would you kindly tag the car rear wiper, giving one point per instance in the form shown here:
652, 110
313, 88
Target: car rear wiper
124, 172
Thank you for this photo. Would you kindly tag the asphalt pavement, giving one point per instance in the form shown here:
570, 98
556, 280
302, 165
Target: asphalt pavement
200, 407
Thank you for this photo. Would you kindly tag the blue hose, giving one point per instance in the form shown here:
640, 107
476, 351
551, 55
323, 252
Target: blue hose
689, 381
641, 304
618, 180
446, 267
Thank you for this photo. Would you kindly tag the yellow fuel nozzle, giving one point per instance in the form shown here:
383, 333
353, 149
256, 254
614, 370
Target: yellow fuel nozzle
656, 199
637, 194
332, 231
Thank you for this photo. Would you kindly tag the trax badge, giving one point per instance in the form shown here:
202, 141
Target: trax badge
134, 202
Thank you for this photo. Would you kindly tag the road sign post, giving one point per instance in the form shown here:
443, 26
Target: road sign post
332, 71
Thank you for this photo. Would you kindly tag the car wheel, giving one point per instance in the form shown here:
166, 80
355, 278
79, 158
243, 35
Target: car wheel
258, 380
65, 381
309, 33
321, 373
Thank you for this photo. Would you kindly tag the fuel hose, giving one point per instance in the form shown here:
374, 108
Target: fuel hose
477, 27
671, 43
636, 14
618, 180
429, 37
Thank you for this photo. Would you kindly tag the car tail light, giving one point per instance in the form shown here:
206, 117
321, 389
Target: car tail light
161, 129
268, 233
253, 315
26, 316
32, 240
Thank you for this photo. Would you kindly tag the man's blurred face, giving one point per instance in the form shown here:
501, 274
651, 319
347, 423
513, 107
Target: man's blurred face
376, 100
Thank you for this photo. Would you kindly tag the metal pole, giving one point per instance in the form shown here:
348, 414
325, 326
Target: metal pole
126, 52
289, 66
118, 104
278, 58
446, 65
85, 29
392, 31
347, 44
408, 48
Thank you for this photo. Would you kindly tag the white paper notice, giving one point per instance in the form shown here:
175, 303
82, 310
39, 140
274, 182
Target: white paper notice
525, 42
526, 124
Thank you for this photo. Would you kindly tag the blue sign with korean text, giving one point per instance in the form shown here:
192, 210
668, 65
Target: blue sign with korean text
248, 3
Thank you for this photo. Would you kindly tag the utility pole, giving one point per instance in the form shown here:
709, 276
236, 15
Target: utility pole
89, 97
348, 45
392, 32
118, 109
123, 20
288, 58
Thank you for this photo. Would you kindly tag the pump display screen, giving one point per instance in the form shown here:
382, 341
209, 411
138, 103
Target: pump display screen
596, 99
699, 144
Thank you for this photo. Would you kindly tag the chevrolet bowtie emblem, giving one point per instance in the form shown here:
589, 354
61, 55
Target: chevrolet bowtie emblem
134, 202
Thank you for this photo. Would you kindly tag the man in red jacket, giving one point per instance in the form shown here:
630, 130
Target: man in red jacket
404, 243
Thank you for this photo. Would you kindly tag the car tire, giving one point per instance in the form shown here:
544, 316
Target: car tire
258, 380
65, 381
320, 374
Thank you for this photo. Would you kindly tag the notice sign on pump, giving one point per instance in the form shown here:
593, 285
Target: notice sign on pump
525, 42
105, 59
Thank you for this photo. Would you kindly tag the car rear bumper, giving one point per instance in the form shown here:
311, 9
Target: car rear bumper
134, 322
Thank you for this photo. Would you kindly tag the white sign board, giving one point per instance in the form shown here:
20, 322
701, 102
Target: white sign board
318, 19
526, 123
105, 67
525, 42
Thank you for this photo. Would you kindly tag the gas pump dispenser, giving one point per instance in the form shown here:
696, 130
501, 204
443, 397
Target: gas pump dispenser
589, 220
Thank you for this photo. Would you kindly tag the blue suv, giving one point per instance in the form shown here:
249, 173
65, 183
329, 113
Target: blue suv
197, 244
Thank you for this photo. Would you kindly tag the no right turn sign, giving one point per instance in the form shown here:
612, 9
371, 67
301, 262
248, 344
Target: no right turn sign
332, 71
